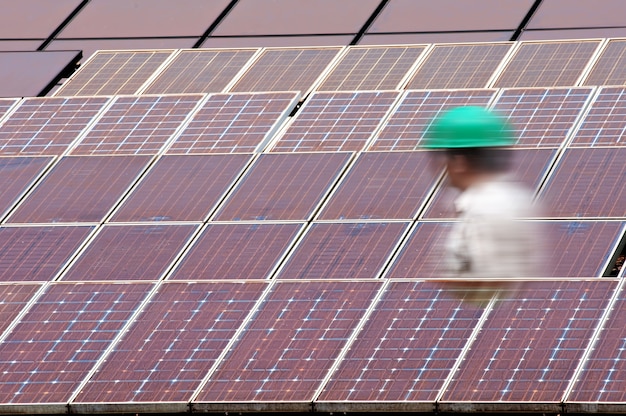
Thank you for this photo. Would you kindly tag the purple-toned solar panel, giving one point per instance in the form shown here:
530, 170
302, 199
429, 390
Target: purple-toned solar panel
202, 70
291, 343
237, 251
542, 117
389, 185
80, 189
181, 188
343, 251
13, 298
588, 183
603, 125
407, 348
114, 72
283, 187
459, 66
371, 68
47, 126
37, 253
528, 348
137, 125
137, 252
286, 69
173, 343
340, 121
228, 123
6, 104
408, 122
17, 174
547, 64
610, 67
58, 341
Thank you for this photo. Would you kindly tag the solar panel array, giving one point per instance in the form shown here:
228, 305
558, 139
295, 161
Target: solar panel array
243, 229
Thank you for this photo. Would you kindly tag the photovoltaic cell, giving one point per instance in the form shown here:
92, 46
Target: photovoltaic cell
529, 345
459, 66
237, 251
47, 126
594, 173
182, 188
408, 346
371, 68
382, 185
173, 343
291, 343
37, 253
603, 125
547, 64
228, 123
17, 174
138, 252
137, 125
340, 121
80, 189
407, 124
6, 104
285, 69
114, 73
343, 251
542, 117
13, 298
61, 337
283, 187
609, 68
200, 71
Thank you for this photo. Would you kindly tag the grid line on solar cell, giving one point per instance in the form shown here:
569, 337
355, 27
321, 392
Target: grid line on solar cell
200, 71
114, 72
459, 66
525, 350
542, 116
286, 69
17, 175
229, 123
603, 124
6, 105
609, 67
14, 297
340, 121
137, 125
47, 126
291, 343
407, 347
405, 127
61, 337
173, 343
548, 64
371, 68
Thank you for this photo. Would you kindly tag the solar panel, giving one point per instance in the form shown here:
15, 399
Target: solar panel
173, 343
204, 70
47, 126
459, 66
13, 298
547, 64
80, 189
181, 188
137, 252
291, 343
603, 125
371, 68
405, 128
6, 104
17, 174
137, 125
285, 69
114, 72
228, 123
542, 117
37, 253
61, 337
382, 185
339, 121
608, 68
343, 251
595, 173
237, 251
527, 349
283, 187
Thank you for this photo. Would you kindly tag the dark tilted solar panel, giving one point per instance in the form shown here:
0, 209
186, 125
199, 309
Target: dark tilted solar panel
610, 66
17, 174
13, 298
603, 125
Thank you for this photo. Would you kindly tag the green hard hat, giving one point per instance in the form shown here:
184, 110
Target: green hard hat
469, 126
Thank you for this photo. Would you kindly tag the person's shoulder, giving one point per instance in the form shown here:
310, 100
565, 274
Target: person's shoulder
503, 197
